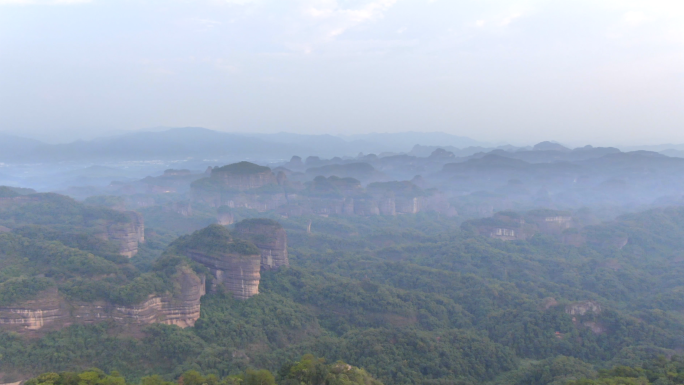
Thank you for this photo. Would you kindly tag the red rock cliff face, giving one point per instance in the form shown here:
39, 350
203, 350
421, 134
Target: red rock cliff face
271, 239
243, 176
239, 274
234, 263
52, 311
126, 234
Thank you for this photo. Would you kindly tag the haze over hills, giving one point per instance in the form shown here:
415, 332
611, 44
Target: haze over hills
197, 142
201, 143
341, 192
432, 264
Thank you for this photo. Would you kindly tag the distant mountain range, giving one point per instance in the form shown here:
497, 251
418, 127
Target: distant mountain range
202, 143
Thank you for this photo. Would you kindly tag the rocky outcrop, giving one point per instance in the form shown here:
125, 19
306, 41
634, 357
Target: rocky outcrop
51, 310
238, 274
224, 217
583, 315
583, 307
551, 222
235, 264
271, 239
506, 226
242, 184
183, 208
246, 185
242, 176
34, 314
126, 234
504, 234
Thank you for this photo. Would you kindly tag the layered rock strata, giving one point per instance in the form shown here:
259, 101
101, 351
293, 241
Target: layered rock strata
505, 226
225, 218
247, 185
235, 264
238, 274
271, 239
126, 234
243, 176
52, 311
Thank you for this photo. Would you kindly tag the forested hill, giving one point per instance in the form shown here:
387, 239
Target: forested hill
419, 299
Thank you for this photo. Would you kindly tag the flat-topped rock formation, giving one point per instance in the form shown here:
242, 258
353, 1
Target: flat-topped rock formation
241, 184
234, 263
247, 185
123, 228
550, 221
51, 310
241, 176
510, 225
269, 236
506, 226
127, 234
224, 216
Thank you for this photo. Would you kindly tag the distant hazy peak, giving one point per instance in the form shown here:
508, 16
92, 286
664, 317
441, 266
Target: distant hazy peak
549, 146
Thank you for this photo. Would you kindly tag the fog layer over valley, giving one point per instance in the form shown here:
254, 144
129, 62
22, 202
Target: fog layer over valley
475, 179
202, 257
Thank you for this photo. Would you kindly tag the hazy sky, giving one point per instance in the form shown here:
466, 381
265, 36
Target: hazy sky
598, 71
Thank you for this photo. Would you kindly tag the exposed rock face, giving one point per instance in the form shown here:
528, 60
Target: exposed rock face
182, 208
506, 226
581, 308
51, 310
243, 176
549, 302
246, 185
34, 314
366, 207
183, 309
234, 263
408, 205
242, 184
225, 218
271, 239
126, 234
503, 233
387, 206
550, 221
239, 274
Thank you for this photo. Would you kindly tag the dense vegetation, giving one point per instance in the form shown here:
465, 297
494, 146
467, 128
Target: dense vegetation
215, 239
307, 371
56, 242
414, 299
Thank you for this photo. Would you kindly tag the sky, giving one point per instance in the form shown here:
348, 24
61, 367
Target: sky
574, 71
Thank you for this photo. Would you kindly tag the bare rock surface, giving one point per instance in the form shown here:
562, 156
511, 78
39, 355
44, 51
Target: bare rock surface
234, 263
270, 237
51, 310
126, 234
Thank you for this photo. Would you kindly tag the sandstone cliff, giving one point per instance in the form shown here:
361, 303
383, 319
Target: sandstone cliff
242, 184
234, 263
52, 310
552, 222
124, 228
506, 226
586, 308
246, 185
126, 234
269, 236
240, 176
